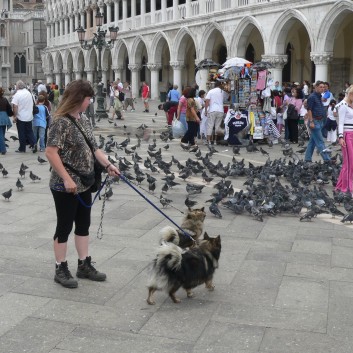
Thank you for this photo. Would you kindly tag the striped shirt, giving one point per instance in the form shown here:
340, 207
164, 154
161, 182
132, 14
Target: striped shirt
345, 118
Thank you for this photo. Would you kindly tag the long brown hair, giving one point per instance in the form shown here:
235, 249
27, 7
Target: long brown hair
74, 95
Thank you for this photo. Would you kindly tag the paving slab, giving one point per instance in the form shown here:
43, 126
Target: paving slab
282, 286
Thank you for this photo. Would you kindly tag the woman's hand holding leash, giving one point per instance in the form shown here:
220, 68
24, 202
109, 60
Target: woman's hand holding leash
112, 170
70, 186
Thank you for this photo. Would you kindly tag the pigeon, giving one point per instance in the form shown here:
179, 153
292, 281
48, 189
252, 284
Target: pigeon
309, 215
184, 147
151, 187
19, 185
236, 150
155, 114
347, 218
165, 202
1, 166
41, 160
166, 147
215, 210
153, 120
33, 176
22, 172
23, 166
264, 153
7, 194
4, 173
189, 203
335, 211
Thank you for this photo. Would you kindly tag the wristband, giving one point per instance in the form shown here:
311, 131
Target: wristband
106, 168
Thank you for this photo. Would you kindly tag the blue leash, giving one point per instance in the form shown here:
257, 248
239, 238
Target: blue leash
154, 206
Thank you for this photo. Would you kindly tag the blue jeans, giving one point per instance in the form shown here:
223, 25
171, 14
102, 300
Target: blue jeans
39, 132
2, 139
316, 140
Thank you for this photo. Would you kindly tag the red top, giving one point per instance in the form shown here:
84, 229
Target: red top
145, 91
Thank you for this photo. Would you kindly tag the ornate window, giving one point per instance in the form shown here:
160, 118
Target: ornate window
2, 31
20, 63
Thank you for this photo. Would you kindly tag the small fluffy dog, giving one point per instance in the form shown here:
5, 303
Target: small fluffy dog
192, 224
174, 267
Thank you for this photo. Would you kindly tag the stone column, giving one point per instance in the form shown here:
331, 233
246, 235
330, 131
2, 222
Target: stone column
116, 11
153, 11
78, 74
143, 13
67, 77
278, 62
58, 78
176, 10
88, 18
109, 13
49, 77
60, 27
71, 24
94, 24
135, 84
90, 76
188, 8
125, 14
104, 76
202, 7
154, 68
164, 10
133, 8
48, 32
217, 5
321, 61
118, 72
177, 73
82, 20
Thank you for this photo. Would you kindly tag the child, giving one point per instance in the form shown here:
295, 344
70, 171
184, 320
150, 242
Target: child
331, 124
40, 123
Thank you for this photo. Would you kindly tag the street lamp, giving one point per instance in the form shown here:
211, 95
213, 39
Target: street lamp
98, 42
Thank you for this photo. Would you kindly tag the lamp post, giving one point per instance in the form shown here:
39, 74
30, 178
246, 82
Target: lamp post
98, 42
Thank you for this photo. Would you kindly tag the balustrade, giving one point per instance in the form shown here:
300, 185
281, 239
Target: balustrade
195, 8
182, 11
210, 6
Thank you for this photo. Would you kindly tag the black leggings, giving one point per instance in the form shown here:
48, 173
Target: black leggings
190, 134
69, 210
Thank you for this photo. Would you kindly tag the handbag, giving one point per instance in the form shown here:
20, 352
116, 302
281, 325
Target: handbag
35, 108
94, 179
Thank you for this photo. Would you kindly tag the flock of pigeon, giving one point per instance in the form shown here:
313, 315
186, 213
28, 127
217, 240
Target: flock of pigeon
285, 185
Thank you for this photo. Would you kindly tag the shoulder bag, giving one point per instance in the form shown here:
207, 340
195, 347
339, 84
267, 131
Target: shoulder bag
94, 180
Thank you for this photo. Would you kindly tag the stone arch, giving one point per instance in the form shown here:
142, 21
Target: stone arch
180, 44
120, 53
243, 31
211, 43
277, 40
332, 21
157, 46
137, 50
58, 61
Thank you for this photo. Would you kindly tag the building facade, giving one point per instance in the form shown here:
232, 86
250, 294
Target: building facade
161, 41
22, 38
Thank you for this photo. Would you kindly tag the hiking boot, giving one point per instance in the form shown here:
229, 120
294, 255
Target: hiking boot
85, 269
64, 277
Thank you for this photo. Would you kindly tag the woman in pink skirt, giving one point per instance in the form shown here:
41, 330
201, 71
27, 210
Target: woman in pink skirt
345, 139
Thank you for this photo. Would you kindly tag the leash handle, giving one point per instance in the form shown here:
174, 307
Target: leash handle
60, 187
154, 206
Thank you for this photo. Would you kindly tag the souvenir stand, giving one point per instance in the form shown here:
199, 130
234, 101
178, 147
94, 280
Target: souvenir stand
249, 88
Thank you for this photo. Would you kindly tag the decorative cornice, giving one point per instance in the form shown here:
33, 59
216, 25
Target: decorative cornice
177, 64
154, 67
277, 60
321, 58
134, 67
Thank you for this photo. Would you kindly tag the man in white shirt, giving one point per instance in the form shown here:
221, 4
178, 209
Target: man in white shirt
41, 87
22, 103
214, 111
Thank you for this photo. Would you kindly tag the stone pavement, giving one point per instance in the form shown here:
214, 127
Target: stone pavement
282, 286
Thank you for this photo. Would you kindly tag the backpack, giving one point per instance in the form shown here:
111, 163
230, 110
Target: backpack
121, 96
51, 96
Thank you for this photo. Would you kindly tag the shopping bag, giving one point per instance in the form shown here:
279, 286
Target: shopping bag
178, 129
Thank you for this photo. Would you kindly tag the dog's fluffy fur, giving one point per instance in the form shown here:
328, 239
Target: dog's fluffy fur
174, 267
192, 224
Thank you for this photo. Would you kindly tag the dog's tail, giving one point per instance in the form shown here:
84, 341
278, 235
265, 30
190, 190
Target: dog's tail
169, 257
170, 235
